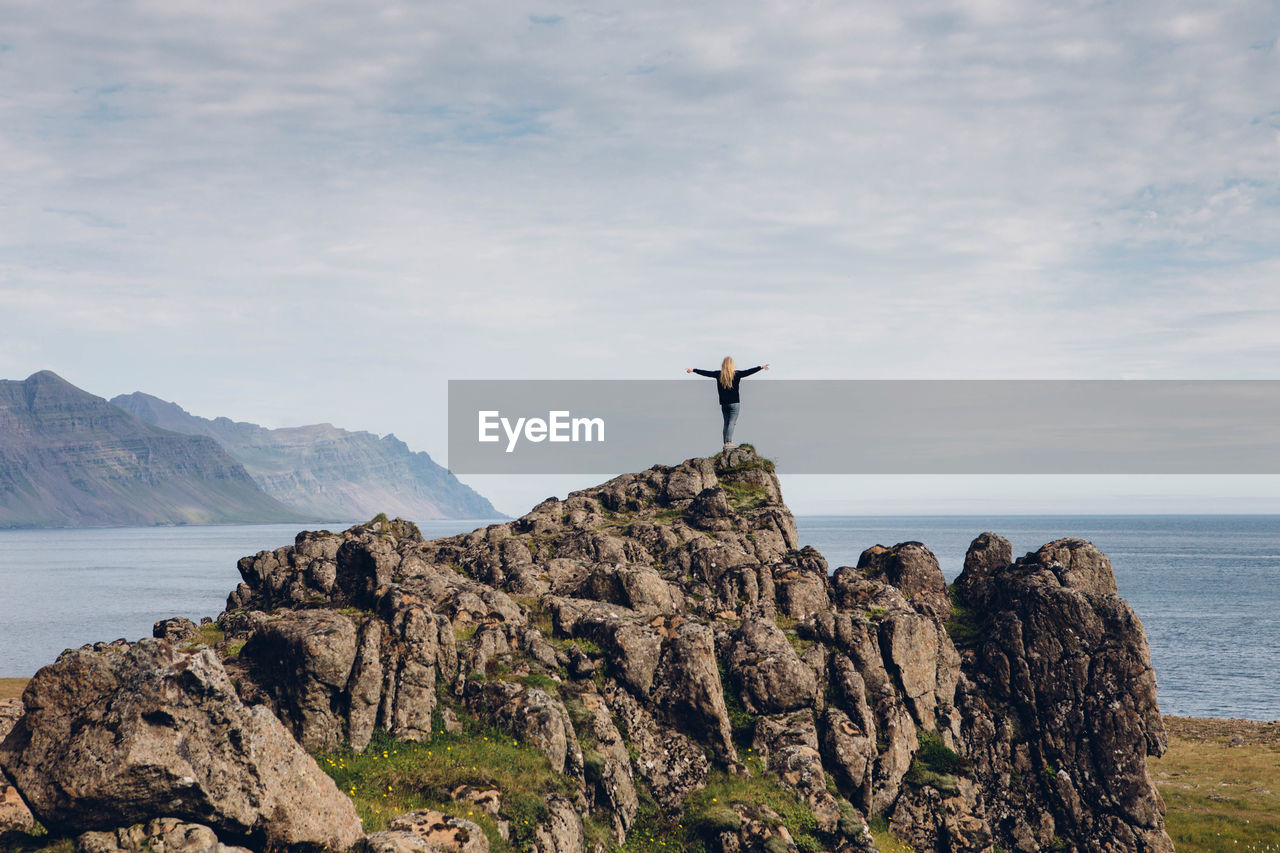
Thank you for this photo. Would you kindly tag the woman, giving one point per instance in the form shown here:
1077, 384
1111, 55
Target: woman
728, 388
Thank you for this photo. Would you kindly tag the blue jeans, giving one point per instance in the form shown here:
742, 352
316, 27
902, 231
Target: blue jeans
730, 412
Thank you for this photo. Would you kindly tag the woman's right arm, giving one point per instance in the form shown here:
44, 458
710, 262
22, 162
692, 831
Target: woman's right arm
711, 373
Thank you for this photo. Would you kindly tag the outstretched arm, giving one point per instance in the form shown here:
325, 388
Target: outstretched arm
711, 373
753, 370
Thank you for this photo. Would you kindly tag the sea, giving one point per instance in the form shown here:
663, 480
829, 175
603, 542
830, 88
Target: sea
1206, 587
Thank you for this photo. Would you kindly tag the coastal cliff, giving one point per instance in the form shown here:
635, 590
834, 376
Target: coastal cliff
671, 669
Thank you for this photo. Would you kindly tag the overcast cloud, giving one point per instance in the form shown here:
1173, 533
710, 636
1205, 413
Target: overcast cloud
291, 212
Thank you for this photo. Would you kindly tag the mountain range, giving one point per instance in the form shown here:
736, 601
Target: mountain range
327, 472
71, 459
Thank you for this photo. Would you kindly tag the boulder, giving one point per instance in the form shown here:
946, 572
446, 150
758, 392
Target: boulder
121, 733
768, 671
913, 569
427, 831
304, 660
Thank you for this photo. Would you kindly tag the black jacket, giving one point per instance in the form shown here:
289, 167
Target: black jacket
730, 394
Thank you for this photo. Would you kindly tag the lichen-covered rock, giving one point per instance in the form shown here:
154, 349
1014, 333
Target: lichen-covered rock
122, 733
911, 568
607, 765
427, 831
1065, 661
533, 716
162, 835
304, 659
770, 674
670, 763
641, 633
689, 688
562, 831
176, 629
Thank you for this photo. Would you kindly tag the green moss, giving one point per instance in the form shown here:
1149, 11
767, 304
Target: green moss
742, 721
966, 627
936, 766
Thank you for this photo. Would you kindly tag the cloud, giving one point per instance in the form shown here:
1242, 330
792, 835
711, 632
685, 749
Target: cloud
304, 195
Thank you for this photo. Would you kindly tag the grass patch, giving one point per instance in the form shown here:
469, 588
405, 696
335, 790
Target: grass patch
744, 497
1219, 796
884, 838
210, 635
11, 688
392, 777
710, 811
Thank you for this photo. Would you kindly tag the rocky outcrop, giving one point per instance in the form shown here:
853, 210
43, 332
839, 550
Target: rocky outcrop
662, 637
1060, 710
123, 733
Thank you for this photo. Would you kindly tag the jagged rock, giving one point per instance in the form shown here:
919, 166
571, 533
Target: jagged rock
788, 744
607, 765
913, 569
671, 763
925, 662
634, 647
305, 658
427, 831
176, 629
770, 674
162, 835
123, 733
1065, 659
689, 686
851, 751
562, 831
641, 585
988, 555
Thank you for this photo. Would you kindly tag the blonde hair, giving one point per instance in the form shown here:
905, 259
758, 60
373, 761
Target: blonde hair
726, 372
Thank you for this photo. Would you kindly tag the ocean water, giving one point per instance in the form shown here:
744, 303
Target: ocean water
1207, 588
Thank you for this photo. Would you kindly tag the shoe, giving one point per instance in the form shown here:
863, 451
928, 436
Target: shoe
729, 445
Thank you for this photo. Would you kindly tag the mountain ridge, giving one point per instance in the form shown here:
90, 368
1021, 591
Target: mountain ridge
69, 458
327, 471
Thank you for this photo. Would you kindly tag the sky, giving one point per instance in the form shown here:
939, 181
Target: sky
291, 213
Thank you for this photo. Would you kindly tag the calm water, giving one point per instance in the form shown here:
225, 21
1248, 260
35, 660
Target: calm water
1207, 588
